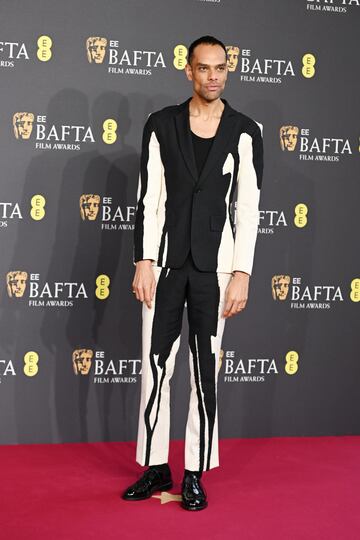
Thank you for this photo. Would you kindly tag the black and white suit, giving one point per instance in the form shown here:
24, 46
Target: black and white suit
177, 209
184, 225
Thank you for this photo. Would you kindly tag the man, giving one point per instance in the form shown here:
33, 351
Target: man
187, 249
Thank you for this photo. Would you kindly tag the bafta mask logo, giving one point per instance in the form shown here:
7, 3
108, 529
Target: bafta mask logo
280, 287
16, 283
288, 137
232, 57
89, 206
81, 359
96, 49
23, 124
221, 355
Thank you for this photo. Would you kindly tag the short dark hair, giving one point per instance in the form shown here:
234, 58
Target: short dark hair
208, 40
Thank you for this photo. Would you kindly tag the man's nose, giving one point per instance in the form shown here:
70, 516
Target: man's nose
212, 75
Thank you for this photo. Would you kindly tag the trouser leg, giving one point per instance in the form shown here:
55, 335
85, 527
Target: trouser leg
205, 303
161, 329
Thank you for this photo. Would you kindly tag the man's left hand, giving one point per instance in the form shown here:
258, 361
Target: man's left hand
236, 294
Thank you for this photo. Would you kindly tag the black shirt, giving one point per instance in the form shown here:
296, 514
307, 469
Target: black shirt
201, 147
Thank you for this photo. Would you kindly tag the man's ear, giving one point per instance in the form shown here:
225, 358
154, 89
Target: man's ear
188, 72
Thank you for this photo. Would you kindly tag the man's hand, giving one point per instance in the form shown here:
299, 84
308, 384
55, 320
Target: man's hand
236, 294
144, 282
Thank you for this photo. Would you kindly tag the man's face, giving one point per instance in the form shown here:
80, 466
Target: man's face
208, 71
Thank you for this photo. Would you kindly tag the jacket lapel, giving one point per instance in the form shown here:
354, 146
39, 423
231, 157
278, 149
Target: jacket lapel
222, 137
184, 137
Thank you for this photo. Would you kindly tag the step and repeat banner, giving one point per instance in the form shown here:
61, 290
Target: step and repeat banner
78, 82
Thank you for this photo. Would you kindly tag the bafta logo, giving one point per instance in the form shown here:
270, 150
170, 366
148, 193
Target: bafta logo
232, 57
95, 49
288, 137
16, 283
280, 287
89, 206
221, 358
23, 124
81, 359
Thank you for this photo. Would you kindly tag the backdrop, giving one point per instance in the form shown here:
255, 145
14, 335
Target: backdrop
78, 82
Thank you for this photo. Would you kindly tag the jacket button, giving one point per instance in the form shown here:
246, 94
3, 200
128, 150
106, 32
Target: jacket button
197, 190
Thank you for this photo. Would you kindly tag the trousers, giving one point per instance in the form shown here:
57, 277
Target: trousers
203, 293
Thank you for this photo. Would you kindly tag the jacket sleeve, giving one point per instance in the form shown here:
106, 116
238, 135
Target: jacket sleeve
148, 194
249, 183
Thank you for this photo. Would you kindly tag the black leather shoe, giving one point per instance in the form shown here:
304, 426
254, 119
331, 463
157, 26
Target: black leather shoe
193, 493
152, 480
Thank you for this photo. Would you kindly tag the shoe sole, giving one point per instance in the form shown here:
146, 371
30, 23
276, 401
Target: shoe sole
169, 485
192, 508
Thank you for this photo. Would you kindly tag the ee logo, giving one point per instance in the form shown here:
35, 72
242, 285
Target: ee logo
308, 61
44, 52
180, 54
109, 134
31, 360
102, 290
291, 365
37, 211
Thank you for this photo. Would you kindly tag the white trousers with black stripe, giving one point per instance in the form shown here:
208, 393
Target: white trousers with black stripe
204, 293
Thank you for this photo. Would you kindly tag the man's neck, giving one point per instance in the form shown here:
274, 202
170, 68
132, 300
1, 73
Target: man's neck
205, 109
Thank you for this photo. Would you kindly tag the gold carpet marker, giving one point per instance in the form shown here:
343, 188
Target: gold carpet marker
166, 497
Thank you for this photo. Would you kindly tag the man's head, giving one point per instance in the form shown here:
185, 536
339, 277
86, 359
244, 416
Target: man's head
207, 67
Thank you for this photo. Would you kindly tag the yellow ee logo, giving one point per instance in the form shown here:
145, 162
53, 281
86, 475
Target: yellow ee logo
300, 218
291, 365
31, 360
308, 61
102, 290
355, 290
37, 211
180, 54
44, 48
109, 134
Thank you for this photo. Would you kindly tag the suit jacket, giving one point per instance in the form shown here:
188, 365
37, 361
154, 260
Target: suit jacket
177, 209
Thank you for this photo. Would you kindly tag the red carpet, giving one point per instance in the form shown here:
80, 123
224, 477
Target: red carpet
275, 488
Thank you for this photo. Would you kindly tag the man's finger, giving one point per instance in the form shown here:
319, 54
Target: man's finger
152, 289
227, 307
140, 291
147, 295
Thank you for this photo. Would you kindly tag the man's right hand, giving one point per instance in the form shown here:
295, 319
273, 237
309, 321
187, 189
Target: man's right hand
144, 282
